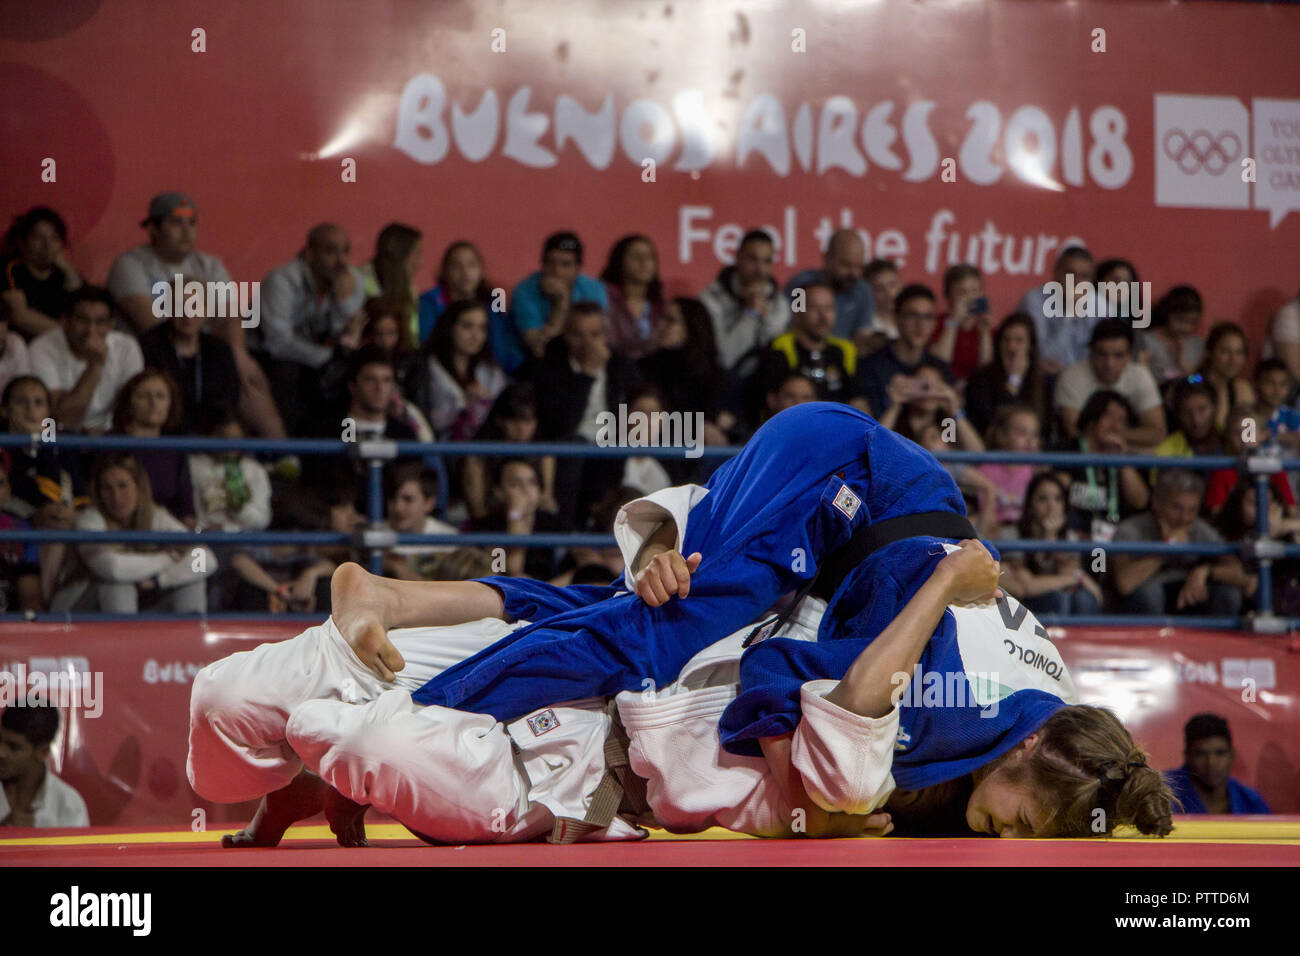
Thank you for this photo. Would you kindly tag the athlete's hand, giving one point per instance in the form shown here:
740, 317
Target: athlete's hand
821, 825
668, 573
972, 574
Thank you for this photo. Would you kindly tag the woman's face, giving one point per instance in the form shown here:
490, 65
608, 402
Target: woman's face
519, 429
522, 480
1047, 502
1113, 421
470, 332
649, 406
884, 287
672, 331
345, 518
28, 407
1021, 433
1001, 808
464, 273
384, 333
118, 491
1015, 344
1229, 356
639, 262
151, 403
42, 247
1183, 324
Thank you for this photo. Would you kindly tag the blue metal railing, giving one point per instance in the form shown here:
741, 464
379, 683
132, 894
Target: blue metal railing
1259, 466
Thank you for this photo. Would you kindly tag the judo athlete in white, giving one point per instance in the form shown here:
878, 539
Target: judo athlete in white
457, 778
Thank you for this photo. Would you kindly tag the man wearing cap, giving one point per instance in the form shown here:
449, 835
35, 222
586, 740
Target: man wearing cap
172, 224
539, 306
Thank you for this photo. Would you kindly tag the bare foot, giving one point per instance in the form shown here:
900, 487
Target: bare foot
358, 603
346, 818
304, 797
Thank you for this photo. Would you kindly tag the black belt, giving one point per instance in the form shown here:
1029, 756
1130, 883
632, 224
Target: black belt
868, 538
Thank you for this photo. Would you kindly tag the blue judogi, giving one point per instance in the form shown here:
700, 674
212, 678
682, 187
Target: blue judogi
1241, 798
771, 515
938, 740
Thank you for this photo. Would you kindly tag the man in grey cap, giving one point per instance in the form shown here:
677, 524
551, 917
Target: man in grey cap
172, 223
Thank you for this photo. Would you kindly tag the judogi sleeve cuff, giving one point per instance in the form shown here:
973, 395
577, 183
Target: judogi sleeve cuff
639, 519
843, 757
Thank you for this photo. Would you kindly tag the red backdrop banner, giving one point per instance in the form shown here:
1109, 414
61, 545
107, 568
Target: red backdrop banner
991, 132
124, 733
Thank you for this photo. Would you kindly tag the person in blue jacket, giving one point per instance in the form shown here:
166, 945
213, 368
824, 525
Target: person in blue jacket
1204, 784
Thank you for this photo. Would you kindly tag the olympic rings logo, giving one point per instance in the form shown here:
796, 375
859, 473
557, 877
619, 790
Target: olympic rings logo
1201, 150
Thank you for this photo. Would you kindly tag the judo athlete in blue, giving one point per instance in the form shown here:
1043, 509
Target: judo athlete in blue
765, 522
989, 691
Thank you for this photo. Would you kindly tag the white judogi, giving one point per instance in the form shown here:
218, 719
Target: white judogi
258, 717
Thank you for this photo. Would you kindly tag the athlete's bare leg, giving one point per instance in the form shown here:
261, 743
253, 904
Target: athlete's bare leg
304, 797
347, 819
365, 607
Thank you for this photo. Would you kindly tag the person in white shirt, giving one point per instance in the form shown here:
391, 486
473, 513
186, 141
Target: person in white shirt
14, 360
32, 796
1110, 365
118, 579
1063, 340
84, 362
172, 223
412, 496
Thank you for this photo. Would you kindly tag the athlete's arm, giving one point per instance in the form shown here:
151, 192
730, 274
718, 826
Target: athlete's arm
868, 688
660, 570
807, 818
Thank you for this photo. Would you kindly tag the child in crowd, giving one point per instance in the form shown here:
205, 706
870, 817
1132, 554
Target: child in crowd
1273, 388
20, 573
517, 509
1015, 428
45, 486
1049, 582
412, 496
513, 418
1246, 425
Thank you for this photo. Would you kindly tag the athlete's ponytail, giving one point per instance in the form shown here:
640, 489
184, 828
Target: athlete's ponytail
1091, 777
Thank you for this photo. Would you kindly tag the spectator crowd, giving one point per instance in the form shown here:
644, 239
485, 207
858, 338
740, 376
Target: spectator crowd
341, 350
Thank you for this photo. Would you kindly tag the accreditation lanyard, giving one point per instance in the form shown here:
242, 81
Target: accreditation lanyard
1112, 496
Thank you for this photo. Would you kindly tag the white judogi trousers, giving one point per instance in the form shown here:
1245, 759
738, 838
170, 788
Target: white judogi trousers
258, 717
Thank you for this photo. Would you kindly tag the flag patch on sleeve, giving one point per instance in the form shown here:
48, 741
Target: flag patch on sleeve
543, 722
847, 501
